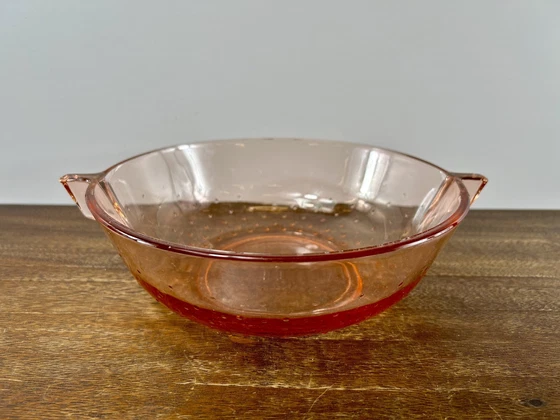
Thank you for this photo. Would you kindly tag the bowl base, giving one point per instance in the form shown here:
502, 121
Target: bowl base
276, 327
253, 289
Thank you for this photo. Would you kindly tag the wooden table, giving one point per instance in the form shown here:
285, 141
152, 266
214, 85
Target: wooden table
478, 338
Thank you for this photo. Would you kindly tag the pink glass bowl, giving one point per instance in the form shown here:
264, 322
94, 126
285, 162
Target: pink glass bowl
276, 237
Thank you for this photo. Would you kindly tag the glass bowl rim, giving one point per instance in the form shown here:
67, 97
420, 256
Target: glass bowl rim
117, 227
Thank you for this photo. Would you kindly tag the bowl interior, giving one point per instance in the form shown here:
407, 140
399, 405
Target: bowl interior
277, 196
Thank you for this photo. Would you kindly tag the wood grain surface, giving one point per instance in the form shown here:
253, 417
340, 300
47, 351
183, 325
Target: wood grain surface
478, 338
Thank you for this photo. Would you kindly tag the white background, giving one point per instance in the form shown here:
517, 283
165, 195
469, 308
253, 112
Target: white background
470, 85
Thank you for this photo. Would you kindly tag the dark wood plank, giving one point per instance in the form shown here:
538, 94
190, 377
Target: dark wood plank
478, 338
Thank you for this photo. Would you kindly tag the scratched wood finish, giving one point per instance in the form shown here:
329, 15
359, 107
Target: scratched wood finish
478, 338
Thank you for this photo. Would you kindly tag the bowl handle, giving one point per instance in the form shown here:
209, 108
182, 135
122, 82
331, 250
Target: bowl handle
76, 185
473, 182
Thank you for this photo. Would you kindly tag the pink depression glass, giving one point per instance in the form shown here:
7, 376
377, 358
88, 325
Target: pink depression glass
276, 237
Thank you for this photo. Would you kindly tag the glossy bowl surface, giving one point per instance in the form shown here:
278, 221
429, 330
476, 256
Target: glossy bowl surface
276, 237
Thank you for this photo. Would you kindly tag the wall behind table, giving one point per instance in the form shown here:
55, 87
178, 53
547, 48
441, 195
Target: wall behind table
471, 86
